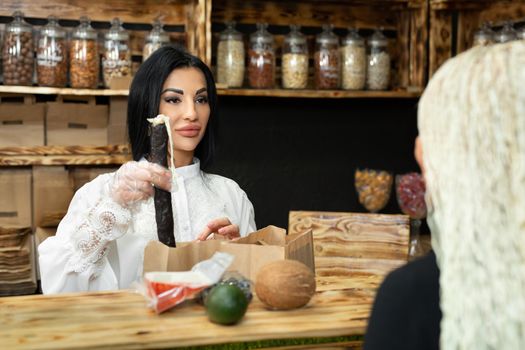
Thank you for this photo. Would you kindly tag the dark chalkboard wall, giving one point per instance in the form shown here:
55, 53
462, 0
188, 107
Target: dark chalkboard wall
301, 154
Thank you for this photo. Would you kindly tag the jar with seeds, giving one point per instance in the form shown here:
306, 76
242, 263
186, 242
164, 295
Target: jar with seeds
353, 61
327, 59
378, 74
155, 40
116, 59
83, 56
51, 55
18, 51
230, 57
261, 59
295, 60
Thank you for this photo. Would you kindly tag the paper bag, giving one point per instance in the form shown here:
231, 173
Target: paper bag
22, 124
251, 252
52, 192
15, 201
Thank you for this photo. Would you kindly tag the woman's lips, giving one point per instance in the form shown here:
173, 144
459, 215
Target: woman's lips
189, 131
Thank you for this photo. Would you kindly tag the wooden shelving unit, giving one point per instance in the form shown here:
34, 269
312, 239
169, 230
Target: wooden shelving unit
64, 155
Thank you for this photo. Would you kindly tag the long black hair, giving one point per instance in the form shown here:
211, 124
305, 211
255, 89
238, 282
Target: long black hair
144, 100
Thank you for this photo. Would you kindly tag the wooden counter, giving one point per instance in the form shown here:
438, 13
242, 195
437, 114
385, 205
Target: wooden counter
120, 320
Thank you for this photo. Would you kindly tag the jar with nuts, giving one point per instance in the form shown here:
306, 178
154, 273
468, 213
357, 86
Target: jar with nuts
295, 60
261, 59
18, 52
373, 188
83, 56
327, 59
506, 34
378, 75
51, 55
354, 61
230, 57
155, 40
484, 35
116, 59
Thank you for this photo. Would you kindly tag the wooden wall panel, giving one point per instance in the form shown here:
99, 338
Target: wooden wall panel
440, 41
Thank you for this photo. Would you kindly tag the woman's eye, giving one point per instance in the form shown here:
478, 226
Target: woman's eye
202, 99
172, 99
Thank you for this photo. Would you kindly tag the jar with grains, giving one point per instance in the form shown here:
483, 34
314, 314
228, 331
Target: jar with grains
261, 59
506, 34
295, 60
327, 59
18, 52
484, 35
354, 61
230, 57
373, 188
51, 55
83, 56
155, 40
378, 74
116, 58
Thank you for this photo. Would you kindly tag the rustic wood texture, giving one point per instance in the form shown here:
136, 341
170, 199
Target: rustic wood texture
41, 90
320, 93
65, 150
440, 40
63, 160
346, 244
468, 23
417, 66
196, 27
120, 320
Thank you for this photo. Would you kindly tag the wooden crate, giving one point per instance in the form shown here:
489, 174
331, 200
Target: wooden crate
453, 23
404, 19
188, 14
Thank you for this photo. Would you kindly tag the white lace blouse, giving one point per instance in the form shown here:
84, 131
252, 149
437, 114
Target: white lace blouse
99, 244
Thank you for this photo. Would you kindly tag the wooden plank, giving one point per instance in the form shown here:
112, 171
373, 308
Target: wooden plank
65, 150
319, 93
41, 90
403, 44
63, 160
468, 23
440, 40
196, 28
418, 47
316, 14
500, 11
209, 35
349, 243
90, 320
129, 11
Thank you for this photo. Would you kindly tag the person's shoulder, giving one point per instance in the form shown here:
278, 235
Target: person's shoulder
223, 182
416, 272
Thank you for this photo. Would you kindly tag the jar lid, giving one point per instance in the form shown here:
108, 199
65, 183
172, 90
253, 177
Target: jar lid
295, 37
327, 36
18, 24
506, 34
484, 33
230, 33
158, 34
261, 36
84, 30
52, 29
378, 39
117, 32
353, 38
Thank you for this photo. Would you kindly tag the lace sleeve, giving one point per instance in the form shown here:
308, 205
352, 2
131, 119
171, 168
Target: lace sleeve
104, 223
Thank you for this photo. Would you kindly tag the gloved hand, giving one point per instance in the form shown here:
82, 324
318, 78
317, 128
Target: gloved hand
135, 181
222, 227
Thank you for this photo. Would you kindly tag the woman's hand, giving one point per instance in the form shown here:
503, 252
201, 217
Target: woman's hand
222, 227
135, 181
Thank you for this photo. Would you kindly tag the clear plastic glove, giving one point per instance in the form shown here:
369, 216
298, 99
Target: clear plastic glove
135, 181
222, 227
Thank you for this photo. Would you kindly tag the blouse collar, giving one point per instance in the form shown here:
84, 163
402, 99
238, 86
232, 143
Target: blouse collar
189, 171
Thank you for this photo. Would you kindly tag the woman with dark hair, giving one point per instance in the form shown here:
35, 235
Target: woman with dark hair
100, 243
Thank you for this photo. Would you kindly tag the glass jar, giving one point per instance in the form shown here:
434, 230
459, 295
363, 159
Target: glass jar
378, 74
116, 59
353, 61
261, 59
506, 34
18, 52
521, 33
155, 40
51, 55
327, 59
83, 56
483, 36
295, 60
230, 57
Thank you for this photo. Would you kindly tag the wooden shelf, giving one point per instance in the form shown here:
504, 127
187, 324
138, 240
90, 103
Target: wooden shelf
64, 155
41, 90
319, 93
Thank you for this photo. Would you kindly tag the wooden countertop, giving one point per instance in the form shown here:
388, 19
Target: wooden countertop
120, 319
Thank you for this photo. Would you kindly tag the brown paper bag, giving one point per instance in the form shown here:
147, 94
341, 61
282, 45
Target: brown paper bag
15, 201
19, 278
250, 254
72, 123
21, 124
117, 128
80, 175
52, 193
41, 234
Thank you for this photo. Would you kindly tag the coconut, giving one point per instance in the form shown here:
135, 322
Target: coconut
285, 284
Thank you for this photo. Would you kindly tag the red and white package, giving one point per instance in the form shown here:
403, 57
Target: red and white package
164, 290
